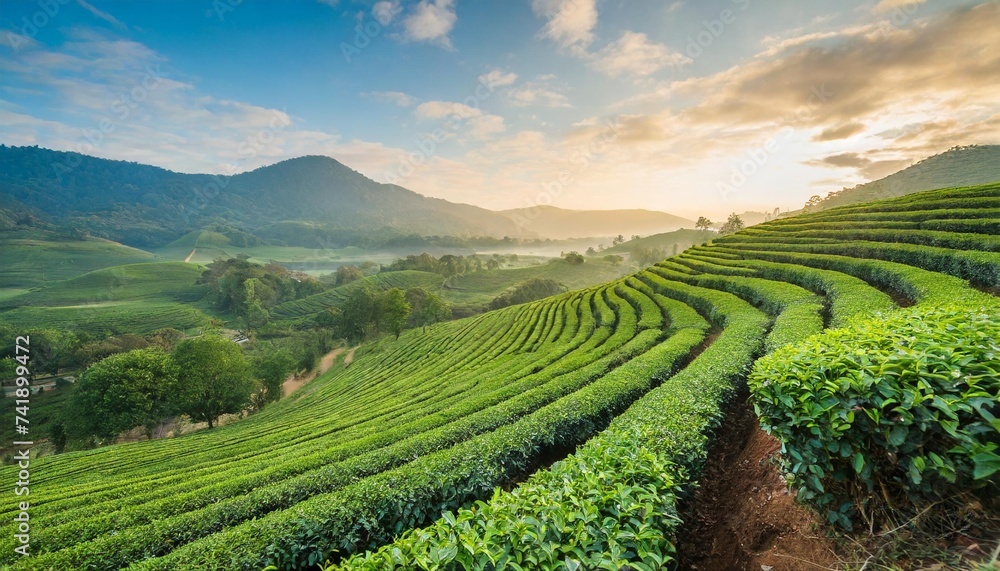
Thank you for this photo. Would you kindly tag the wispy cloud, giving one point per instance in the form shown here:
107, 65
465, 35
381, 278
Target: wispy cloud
394, 97
569, 23
101, 14
634, 54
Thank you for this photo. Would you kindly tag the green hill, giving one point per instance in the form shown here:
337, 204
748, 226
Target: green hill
314, 304
32, 258
134, 298
960, 166
453, 432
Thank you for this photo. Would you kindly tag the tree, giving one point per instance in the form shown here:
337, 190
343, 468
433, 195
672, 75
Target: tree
120, 392
58, 436
618, 240
733, 224
426, 308
272, 370
703, 223
348, 274
591, 251
574, 258
813, 202
253, 310
393, 309
357, 319
614, 260
215, 378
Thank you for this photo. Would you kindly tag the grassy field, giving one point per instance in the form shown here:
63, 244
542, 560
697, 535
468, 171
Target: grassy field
202, 247
33, 258
451, 433
133, 298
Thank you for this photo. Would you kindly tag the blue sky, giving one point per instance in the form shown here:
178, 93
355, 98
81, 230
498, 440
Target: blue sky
691, 107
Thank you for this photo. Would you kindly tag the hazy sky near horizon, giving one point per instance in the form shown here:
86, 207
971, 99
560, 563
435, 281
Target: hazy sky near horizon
691, 107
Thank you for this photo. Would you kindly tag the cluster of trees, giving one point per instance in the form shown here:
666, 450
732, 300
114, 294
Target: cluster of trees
733, 224
55, 350
649, 256
250, 290
574, 258
203, 378
368, 313
526, 292
450, 265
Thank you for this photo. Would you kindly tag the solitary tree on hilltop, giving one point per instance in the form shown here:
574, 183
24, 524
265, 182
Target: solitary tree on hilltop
703, 223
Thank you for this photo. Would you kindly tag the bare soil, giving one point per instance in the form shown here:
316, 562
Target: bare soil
743, 517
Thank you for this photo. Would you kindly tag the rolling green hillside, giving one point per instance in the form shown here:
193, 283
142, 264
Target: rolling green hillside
449, 432
332, 298
32, 258
133, 298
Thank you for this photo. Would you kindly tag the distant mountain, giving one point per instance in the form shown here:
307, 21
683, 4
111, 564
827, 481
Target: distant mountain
559, 224
309, 201
959, 166
148, 206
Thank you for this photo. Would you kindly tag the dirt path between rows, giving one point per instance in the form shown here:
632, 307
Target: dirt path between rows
743, 516
295, 382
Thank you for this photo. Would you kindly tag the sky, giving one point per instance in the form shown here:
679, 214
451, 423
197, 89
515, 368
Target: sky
694, 107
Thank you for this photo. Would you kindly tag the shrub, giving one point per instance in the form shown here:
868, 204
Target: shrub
896, 411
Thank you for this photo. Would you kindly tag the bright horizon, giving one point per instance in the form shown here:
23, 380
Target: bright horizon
583, 104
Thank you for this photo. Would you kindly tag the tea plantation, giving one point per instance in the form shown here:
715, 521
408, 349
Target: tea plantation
436, 451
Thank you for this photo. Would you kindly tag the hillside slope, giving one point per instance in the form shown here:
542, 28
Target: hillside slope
960, 166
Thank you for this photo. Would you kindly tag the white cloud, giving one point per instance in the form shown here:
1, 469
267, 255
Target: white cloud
635, 54
497, 78
886, 6
101, 14
480, 125
431, 21
394, 97
533, 94
569, 23
385, 11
